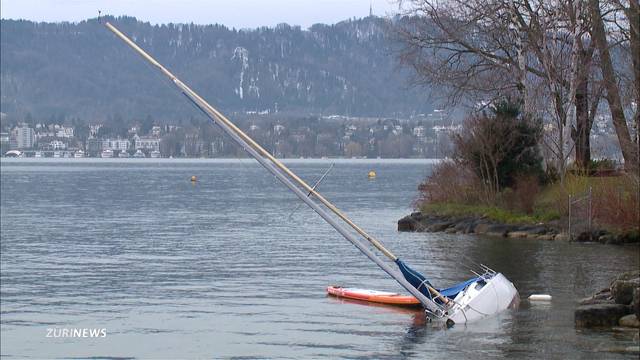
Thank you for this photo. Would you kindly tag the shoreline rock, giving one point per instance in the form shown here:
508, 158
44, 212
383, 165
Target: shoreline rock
600, 315
616, 305
419, 222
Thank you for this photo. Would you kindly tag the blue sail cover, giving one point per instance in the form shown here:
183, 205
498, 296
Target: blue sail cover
452, 291
414, 278
420, 282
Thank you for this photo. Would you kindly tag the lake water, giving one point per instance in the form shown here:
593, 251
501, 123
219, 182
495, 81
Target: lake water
232, 266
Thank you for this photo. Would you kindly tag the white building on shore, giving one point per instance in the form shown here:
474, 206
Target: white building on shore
64, 132
116, 144
23, 137
57, 145
147, 143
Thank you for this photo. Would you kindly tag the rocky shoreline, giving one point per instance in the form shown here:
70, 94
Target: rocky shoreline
419, 222
616, 305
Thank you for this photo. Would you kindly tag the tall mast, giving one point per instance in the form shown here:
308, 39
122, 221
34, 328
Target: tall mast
215, 114
280, 171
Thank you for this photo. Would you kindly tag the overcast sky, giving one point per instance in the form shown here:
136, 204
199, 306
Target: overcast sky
233, 13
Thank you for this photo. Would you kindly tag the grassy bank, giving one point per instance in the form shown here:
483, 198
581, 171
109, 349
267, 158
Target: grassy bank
613, 201
494, 213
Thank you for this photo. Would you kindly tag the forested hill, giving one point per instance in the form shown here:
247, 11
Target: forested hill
82, 70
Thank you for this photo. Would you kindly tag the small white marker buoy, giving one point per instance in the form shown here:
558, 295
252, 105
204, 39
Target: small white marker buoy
540, 297
372, 174
194, 178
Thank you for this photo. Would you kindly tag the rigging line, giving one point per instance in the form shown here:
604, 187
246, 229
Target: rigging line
171, 90
476, 310
470, 269
202, 111
480, 266
465, 264
428, 304
170, 85
241, 161
315, 186
250, 142
285, 176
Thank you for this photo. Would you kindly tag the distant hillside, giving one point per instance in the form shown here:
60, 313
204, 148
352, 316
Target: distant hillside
82, 70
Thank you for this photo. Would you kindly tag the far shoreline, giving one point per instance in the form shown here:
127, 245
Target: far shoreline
218, 160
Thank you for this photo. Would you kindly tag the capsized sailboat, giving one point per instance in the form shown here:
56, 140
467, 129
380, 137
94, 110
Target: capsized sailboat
487, 294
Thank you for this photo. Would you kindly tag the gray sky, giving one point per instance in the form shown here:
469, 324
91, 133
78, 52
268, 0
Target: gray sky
233, 13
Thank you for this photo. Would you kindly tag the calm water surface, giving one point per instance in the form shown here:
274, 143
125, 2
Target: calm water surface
232, 267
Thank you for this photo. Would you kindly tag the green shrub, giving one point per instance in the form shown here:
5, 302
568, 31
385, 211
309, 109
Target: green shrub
500, 146
603, 164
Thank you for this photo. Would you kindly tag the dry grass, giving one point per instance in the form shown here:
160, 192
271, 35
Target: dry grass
450, 183
522, 197
452, 190
614, 199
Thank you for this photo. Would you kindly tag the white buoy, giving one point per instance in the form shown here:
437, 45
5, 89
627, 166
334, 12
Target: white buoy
540, 297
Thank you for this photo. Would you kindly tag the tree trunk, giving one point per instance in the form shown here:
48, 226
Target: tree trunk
633, 15
561, 122
581, 133
629, 149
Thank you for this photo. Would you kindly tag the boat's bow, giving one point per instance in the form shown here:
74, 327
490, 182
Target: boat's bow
489, 295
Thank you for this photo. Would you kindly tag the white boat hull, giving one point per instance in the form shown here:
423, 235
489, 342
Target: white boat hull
477, 302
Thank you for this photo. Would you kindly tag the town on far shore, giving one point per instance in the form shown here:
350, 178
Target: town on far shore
421, 136
335, 136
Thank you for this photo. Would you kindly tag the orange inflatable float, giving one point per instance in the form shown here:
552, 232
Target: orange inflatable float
382, 297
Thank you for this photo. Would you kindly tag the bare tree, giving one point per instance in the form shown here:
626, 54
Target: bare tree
604, 38
465, 49
482, 148
480, 50
588, 89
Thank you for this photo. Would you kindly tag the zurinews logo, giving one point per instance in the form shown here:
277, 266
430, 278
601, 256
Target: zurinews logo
75, 333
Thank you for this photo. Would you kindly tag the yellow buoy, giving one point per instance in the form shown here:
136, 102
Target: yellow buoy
193, 178
372, 174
